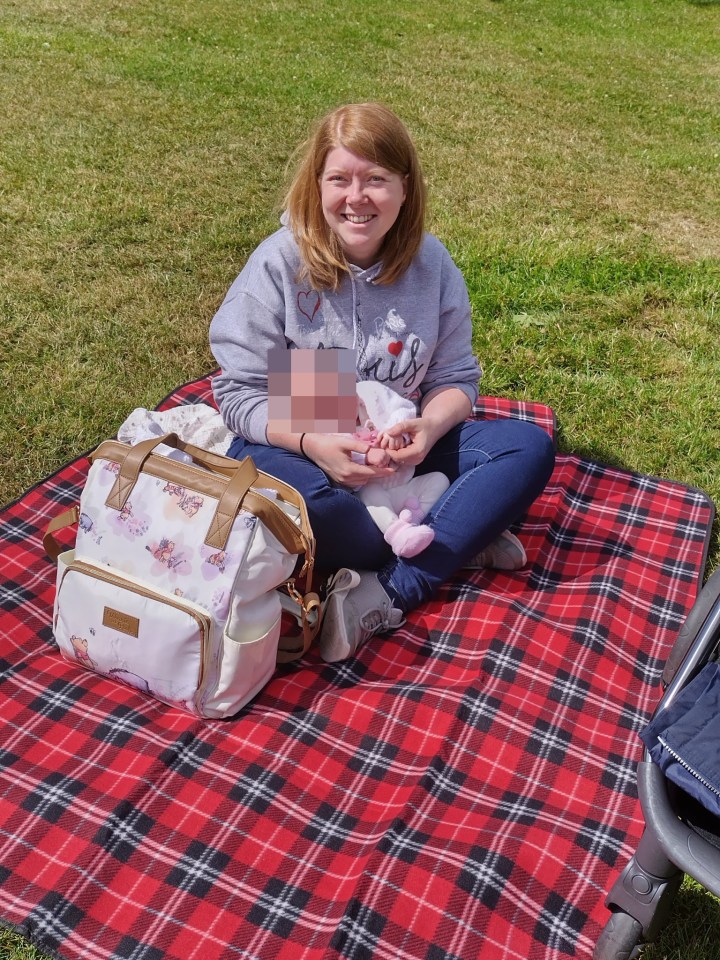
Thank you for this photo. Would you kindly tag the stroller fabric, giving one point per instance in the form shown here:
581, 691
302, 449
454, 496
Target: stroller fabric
684, 738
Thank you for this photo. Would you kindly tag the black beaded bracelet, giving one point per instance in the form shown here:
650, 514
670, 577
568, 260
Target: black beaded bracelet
302, 437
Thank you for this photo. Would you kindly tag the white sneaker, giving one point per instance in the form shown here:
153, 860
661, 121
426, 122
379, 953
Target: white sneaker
356, 608
505, 553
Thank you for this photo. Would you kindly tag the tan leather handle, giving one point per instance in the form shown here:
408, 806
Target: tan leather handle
240, 476
205, 458
230, 503
216, 462
134, 458
131, 466
240, 481
290, 495
65, 519
219, 471
137, 454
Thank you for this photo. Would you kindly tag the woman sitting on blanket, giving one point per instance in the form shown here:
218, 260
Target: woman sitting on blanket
351, 266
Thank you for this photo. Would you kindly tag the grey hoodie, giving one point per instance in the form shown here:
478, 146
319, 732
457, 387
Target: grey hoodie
413, 335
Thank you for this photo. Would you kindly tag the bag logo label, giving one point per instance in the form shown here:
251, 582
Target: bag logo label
117, 620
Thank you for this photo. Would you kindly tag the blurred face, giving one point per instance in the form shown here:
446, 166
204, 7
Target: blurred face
360, 201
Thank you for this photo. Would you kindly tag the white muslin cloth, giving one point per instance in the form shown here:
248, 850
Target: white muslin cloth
196, 423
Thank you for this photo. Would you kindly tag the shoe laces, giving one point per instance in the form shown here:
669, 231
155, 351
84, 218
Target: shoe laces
374, 620
383, 618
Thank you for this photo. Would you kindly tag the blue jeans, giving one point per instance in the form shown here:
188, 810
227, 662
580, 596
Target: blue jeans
496, 469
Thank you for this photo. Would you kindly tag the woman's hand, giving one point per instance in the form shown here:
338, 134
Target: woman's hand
442, 409
333, 453
423, 434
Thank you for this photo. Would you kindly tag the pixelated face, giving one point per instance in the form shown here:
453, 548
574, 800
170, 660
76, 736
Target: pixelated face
311, 391
361, 201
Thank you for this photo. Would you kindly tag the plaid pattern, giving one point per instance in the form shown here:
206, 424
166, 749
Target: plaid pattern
464, 788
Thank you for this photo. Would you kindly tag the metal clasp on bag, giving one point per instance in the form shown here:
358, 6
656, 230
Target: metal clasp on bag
308, 566
308, 615
296, 595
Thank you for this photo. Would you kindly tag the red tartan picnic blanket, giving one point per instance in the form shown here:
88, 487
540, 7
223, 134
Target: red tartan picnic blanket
463, 788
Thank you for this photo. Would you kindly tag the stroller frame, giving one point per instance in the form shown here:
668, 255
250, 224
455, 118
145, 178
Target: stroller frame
641, 898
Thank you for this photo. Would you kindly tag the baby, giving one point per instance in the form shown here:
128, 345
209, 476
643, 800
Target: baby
398, 503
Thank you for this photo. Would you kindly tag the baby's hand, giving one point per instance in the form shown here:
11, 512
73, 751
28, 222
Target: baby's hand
375, 457
391, 443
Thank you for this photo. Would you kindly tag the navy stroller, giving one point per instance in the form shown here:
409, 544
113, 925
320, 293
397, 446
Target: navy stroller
681, 836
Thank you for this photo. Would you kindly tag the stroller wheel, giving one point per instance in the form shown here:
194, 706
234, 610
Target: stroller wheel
620, 939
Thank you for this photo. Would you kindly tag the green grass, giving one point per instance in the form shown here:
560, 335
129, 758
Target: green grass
572, 152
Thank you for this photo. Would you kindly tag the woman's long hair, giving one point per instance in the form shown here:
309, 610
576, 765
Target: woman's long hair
373, 132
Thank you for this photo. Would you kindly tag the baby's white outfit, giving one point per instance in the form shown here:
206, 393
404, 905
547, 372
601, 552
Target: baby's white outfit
400, 502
